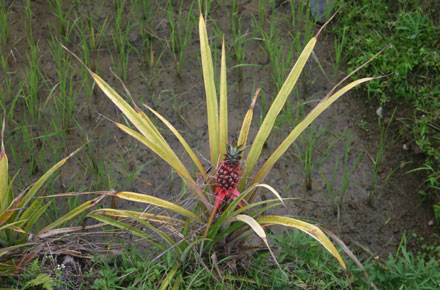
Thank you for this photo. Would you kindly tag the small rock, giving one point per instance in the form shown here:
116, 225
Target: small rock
321, 10
379, 112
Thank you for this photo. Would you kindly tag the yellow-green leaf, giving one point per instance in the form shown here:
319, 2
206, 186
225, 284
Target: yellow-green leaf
165, 236
71, 214
142, 215
171, 159
6, 226
246, 125
324, 104
223, 117
33, 190
128, 228
169, 277
5, 196
144, 198
211, 95
181, 140
258, 229
4, 251
273, 191
275, 108
309, 229
156, 142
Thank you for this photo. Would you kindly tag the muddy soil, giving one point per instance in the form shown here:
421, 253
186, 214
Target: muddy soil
374, 227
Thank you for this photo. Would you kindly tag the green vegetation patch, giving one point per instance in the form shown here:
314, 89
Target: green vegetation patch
408, 34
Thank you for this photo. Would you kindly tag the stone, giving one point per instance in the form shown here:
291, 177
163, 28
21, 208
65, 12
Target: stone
322, 10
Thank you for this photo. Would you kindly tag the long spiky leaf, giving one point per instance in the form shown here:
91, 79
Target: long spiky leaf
211, 95
6, 195
274, 110
223, 117
72, 214
142, 215
37, 185
246, 125
181, 140
258, 229
172, 160
128, 228
301, 127
309, 229
133, 196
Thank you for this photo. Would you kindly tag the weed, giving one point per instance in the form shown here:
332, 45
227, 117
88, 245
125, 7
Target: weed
180, 32
339, 47
121, 42
146, 14
384, 142
65, 93
337, 194
405, 271
34, 81
4, 29
311, 141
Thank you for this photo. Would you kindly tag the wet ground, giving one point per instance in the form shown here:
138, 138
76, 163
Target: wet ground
372, 226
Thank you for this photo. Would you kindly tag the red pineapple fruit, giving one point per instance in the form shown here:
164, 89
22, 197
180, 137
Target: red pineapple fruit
228, 174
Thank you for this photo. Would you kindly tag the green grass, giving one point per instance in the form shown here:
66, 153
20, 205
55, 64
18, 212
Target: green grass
339, 183
408, 33
315, 141
385, 142
306, 263
120, 37
182, 25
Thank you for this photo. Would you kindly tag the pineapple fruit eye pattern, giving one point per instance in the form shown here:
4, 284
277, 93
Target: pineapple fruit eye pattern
228, 175
228, 172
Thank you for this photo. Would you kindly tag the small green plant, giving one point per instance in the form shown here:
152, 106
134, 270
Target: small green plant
238, 38
337, 194
64, 93
340, 43
280, 55
4, 29
384, 142
406, 271
20, 214
180, 33
225, 212
311, 141
34, 81
146, 14
120, 37
65, 26
408, 34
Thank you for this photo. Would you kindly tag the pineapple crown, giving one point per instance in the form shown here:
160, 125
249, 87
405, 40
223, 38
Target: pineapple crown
233, 154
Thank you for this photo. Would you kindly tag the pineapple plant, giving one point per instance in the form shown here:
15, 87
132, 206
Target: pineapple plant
232, 180
228, 175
